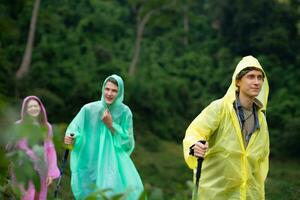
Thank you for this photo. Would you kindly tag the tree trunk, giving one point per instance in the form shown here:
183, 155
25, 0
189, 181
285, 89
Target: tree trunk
24, 68
139, 36
140, 31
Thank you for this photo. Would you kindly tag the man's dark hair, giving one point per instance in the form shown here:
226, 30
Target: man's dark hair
114, 81
246, 70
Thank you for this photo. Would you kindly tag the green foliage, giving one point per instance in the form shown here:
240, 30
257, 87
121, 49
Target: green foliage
189, 50
19, 159
78, 44
102, 194
285, 131
283, 180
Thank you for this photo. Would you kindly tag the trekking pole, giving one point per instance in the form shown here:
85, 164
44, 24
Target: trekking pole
198, 172
63, 165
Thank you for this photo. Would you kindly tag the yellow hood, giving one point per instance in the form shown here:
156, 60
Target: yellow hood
249, 61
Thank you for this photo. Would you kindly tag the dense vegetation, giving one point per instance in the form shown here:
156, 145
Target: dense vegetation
175, 57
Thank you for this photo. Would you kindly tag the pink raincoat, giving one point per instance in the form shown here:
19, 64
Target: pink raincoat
49, 154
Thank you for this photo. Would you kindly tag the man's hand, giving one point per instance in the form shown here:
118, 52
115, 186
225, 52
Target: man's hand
68, 139
107, 119
200, 149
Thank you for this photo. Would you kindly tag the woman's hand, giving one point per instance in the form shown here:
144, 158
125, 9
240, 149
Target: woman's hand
49, 180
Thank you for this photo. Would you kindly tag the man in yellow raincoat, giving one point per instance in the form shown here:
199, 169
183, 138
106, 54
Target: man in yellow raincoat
236, 162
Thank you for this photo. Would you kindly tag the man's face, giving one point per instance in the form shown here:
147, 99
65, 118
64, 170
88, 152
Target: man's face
250, 84
110, 92
33, 108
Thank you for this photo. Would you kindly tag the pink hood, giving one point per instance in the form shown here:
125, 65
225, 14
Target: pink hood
43, 115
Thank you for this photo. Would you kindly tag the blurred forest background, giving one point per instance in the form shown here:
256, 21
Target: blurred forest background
175, 56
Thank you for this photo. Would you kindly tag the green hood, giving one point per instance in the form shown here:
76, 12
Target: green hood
120, 96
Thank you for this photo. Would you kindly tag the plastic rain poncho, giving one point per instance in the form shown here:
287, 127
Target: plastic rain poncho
101, 159
229, 170
48, 150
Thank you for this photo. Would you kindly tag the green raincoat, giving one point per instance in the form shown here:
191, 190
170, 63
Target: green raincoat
100, 159
229, 170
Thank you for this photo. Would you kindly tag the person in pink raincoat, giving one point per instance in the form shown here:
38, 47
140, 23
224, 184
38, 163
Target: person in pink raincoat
33, 113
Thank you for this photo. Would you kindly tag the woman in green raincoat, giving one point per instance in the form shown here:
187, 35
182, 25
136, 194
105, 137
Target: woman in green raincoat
102, 143
236, 163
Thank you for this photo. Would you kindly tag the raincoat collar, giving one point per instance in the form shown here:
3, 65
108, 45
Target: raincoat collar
262, 99
240, 113
120, 96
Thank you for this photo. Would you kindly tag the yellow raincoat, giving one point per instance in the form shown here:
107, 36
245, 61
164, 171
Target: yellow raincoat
229, 170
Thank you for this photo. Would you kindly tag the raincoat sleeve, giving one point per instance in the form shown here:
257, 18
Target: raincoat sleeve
201, 128
53, 170
76, 127
264, 168
123, 135
264, 162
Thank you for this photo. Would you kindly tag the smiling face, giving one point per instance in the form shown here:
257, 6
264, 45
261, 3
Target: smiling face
33, 108
250, 84
110, 92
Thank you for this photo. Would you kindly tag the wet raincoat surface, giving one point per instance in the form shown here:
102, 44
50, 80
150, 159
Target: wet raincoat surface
101, 159
229, 170
48, 150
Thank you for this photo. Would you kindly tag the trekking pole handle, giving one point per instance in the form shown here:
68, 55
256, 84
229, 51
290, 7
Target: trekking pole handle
70, 146
203, 142
198, 171
65, 158
192, 150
